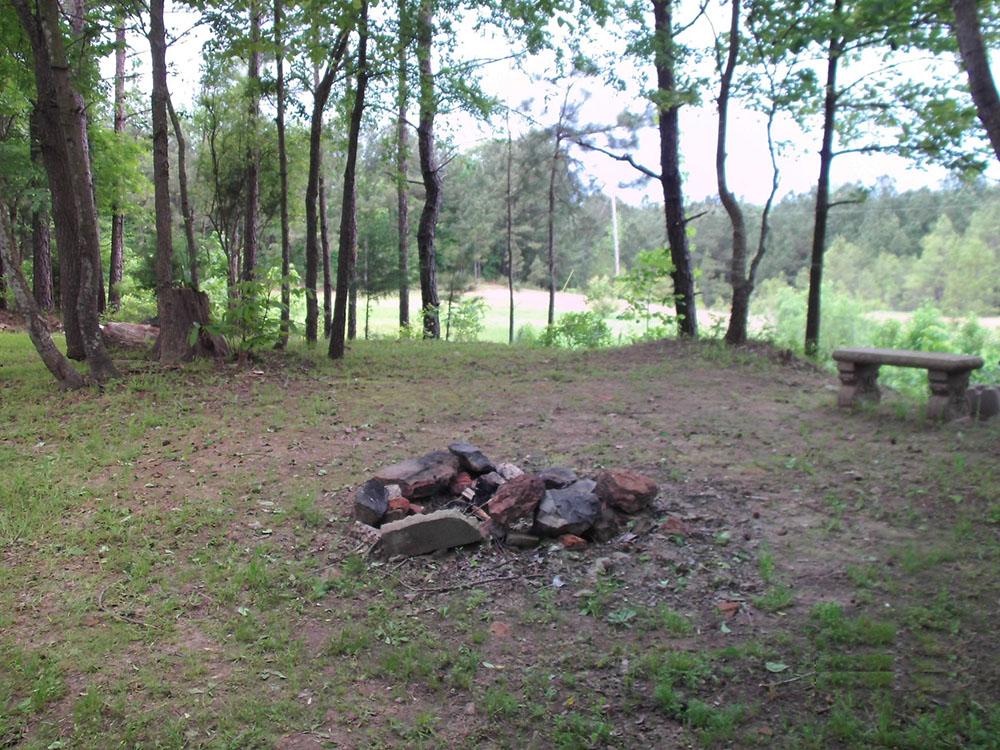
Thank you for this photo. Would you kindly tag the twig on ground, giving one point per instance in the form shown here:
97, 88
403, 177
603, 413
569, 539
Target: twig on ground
338, 560
118, 616
796, 678
470, 584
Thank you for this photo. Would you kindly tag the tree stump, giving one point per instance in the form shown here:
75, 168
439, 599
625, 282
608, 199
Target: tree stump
182, 309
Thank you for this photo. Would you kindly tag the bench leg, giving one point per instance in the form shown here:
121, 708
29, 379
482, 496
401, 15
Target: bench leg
947, 394
858, 382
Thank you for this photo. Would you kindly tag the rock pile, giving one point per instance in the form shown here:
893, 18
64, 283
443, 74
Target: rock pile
459, 496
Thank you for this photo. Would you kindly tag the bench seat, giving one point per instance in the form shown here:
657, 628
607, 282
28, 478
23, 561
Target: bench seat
947, 376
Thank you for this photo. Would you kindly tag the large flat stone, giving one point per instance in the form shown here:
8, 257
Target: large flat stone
421, 477
419, 535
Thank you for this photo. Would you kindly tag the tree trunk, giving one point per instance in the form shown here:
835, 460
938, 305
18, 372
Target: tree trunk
41, 240
60, 367
510, 233
63, 132
324, 246
3, 285
977, 66
192, 245
402, 154
553, 167
352, 304
320, 95
813, 305
347, 251
286, 251
48, 129
93, 267
117, 261
670, 173
737, 332
41, 258
182, 309
250, 237
161, 168
551, 255
431, 176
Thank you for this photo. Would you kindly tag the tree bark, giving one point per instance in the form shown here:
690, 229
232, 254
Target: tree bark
813, 304
324, 247
402, 158
41, 240
348, 246
63, 132
182, 181
117, 261
41, 258
977, 66
60, 367
510, 232
352, 303
427, 228
161, 163
286, 251
250, 237
670, 173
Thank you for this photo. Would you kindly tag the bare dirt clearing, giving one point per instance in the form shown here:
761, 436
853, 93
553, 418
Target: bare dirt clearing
795, 586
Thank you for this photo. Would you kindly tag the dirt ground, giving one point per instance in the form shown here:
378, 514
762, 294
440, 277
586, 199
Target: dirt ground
236, 600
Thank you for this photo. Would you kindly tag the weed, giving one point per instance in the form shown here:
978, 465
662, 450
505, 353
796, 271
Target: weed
499, 702
765, 565
777, 598
833, 626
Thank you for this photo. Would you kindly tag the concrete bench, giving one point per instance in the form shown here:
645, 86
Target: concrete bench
947, 374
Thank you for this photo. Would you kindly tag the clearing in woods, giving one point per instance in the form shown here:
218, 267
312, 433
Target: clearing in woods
177, 569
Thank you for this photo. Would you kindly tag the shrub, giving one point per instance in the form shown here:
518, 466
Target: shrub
467, 319
577, 330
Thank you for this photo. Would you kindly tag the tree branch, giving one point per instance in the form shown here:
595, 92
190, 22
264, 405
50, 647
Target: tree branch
618, 157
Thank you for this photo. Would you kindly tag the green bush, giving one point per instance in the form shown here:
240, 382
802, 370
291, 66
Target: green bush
467, 318
577, 330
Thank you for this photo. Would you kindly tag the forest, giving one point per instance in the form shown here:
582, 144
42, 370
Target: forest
307, 168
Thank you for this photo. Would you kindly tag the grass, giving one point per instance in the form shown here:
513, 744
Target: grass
176, 568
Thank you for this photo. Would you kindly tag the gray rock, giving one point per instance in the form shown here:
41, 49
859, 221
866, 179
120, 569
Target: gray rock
471, 458
984, 401
572, 510
557, 478
430, 532
508, 471
371, 501
421, 477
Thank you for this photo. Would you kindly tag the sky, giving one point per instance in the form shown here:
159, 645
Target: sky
749, 166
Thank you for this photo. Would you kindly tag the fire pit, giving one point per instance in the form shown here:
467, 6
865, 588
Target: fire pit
454, 497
